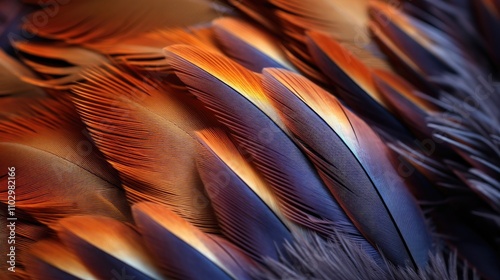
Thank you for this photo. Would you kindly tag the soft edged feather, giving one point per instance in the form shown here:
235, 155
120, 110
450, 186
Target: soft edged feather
67, 174
106, 246
61, 63
354, 79
403, 99
235, 95
146, 131
246, 208
355, 165
185, 252
310, 257
346, 20
51, 260
431, 50
89, 21
11, 74
250, 46
145, 50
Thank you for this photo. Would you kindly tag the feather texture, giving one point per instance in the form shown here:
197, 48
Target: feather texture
235, 96
67, 176
178, 246
51, 260
106, 246
246, 208
354, 165
86, 22
357, 88
11, 74
146, 131
234, 174
46, 58
251, 47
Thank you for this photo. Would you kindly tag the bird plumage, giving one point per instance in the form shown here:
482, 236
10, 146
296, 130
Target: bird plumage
251, 139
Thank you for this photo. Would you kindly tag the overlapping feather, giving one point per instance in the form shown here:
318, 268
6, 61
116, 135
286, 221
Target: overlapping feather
179, 246
145, 128
355, 165
247, 209
67, 174
87, 22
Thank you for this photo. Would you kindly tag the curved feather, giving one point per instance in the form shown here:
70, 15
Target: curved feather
107, 247
343, 19
11, 74
63, 172
146, 131
401, 97
430, 49
89, 21
52, 260
250, 46
402, 62
62, 63
145, 50
354, 164
358, 89
235, 96
180, 247
246, 208
28, 231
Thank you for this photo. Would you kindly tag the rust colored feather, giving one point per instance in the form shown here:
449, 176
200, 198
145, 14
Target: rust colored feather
146, 131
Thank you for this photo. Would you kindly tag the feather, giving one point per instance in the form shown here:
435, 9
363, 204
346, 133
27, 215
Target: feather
355, 167
327, 51
257, 10
146, 49
106, 246
65, 63
27, 232
344, 20
250, 46
246, 208
310, 257
416, 39
400, 61
146, 131
82, 22
402, 99
235, 96
11, 74
17, 105
358, 89
51, 260
179, 247
65, 173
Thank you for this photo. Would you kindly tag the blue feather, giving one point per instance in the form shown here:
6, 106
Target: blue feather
243, 215
351, 160
303, 196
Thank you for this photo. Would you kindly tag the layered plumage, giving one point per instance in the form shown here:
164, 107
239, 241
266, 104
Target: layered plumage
251, 139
